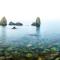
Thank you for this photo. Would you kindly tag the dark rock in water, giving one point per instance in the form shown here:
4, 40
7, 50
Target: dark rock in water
11, 23
17, 24
37, 23
33, 24
3, 21
14, 28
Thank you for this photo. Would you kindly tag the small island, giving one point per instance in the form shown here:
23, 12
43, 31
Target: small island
11, 23
37, 23
17, 23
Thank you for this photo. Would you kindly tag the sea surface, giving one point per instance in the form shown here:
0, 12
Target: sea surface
45, 36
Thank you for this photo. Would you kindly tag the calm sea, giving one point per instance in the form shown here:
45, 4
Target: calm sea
46, 36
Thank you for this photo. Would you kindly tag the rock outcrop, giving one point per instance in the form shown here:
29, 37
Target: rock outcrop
3, 21
17, 23
14, 28
33, 24
11, 23
37, 23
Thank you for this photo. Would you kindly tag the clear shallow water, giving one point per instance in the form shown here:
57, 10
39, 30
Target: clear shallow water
46, 36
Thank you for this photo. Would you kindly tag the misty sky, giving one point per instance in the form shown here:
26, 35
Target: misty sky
26, 11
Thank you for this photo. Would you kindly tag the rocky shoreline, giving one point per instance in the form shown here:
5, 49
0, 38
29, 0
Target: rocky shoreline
28, 53
28, 56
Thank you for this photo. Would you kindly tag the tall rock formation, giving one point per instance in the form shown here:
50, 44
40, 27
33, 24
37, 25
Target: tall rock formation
37, 23
3, 21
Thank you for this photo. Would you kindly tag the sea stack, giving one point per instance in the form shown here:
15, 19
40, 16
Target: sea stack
3, 21
37, 23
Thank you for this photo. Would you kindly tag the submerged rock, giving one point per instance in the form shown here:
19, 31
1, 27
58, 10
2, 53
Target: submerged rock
37, 23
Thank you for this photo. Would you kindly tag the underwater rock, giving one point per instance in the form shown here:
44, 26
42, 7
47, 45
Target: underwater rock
29, 45
29, 55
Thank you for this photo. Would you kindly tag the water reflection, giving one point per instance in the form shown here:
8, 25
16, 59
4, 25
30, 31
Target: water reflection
37, 34
38, 31
40, 41
3, 35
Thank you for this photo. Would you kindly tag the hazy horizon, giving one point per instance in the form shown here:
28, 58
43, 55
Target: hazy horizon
26, 11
